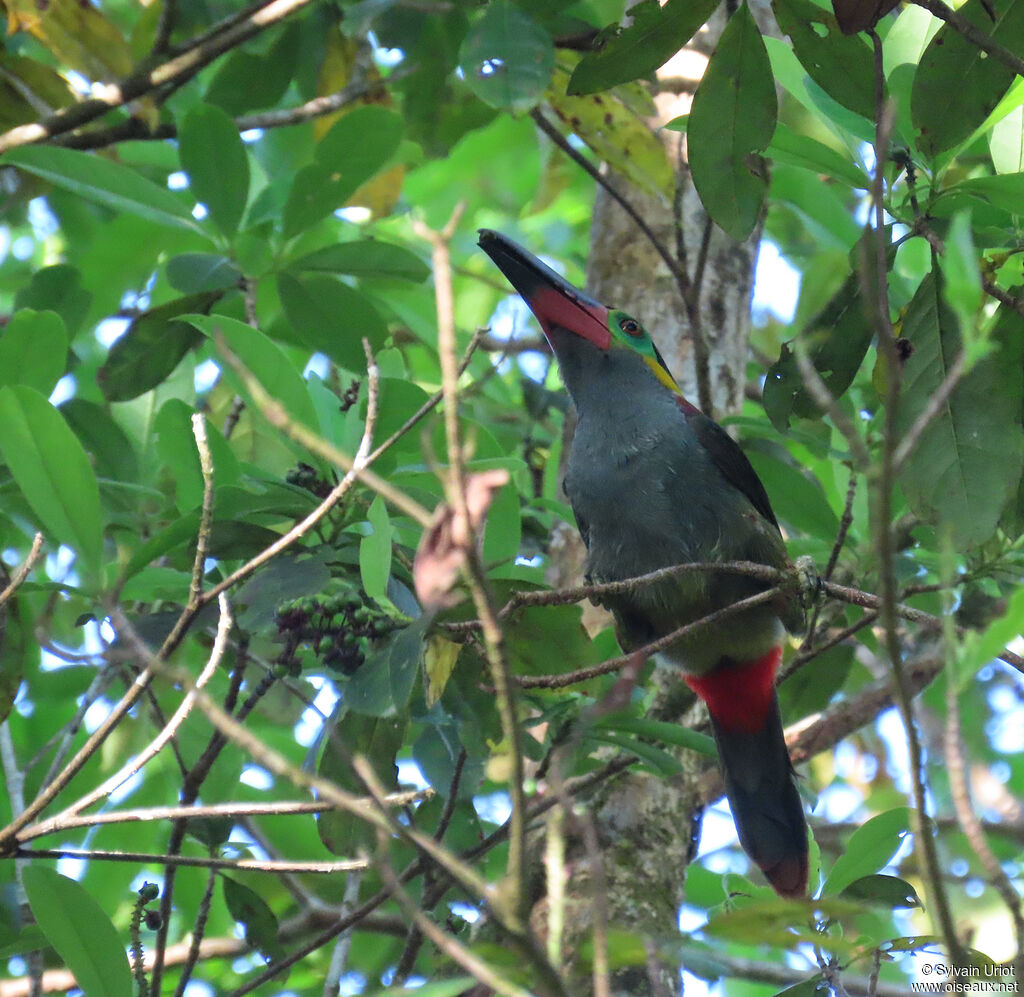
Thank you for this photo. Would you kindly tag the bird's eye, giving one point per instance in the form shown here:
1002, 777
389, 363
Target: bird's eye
630, 326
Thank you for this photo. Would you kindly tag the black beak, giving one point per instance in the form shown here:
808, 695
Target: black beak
555, 302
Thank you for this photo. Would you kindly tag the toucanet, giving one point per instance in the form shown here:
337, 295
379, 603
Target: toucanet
653, 483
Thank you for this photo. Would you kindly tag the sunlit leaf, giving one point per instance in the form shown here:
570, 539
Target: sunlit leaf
81, 932
103, 181
870, 848
52, 471
656, 33
217, 164
957, 86
33, 350
731, 122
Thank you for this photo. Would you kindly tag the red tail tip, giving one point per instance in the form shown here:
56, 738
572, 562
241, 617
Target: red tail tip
788, 877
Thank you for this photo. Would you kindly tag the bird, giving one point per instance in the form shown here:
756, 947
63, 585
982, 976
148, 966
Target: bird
654, 482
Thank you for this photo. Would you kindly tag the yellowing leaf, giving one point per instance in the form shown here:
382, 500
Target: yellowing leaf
77, 33
335, 74
611, 125
439, 662
380, 194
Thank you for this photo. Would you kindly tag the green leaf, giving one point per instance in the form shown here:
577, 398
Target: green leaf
331, 317
1006, 142
811, 689
957, 86
507, 58
112, 452
889, 891
503, 527
283, 579
870, 848
805, 988
29, 939
666, 733
52, 471
57, 289
825, 212
191, 273
809, 154
33, 350
81, 932
967, 463
379, 740
211, 831
1004, 192
265, 360
176, 445
383, 684
104, 181
247, 82
977, 649
659, 761
375, 552
152, 347
250, 910
541, 639
961, 276
842, 65
365, 258
731, 121
797, 498
654, 36
359, 145
779, 922
838, 340
437, 751
443, 988
217, 164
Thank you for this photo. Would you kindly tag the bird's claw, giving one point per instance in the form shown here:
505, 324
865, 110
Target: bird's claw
809, 582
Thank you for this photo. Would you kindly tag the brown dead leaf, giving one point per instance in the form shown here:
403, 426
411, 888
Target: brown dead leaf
442, 551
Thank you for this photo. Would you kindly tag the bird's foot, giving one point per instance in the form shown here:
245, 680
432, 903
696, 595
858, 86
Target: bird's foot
810, 585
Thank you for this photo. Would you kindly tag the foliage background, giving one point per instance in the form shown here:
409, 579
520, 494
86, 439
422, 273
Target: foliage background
207, 209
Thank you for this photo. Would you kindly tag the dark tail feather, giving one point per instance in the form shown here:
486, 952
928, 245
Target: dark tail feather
766, 806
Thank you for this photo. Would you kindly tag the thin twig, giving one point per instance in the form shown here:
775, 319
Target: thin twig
956, 767
183, 66
57, 825
837, 546
431, 403
343, 943
198, 932
196, 861
446, 943
614, 664
881, 519
23, 569
824, 399
179, 716
278, 417
195, 590
455, 491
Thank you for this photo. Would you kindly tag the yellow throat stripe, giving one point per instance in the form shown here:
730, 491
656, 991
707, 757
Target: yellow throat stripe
663, 375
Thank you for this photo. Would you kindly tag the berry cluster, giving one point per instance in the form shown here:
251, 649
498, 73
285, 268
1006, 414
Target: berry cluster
306, 476
338, 629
